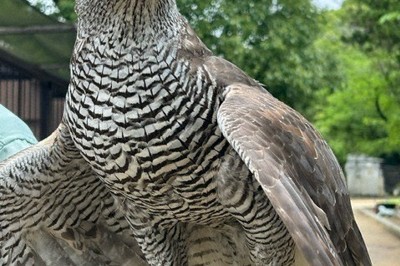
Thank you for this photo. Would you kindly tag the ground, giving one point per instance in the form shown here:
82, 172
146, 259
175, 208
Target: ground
383, 245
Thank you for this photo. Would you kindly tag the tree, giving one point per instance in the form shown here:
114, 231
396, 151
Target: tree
375, 28
361, 115
66, 9
377, 32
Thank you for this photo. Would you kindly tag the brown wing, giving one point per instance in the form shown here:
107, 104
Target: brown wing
54, 211
298, 173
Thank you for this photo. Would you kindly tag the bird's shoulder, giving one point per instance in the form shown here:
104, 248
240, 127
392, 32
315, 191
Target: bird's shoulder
193, 50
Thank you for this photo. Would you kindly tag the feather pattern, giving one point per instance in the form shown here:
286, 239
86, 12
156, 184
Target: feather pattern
170, 155
297, 171
54, 211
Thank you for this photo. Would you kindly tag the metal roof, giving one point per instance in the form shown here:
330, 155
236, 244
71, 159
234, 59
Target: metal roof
37, 43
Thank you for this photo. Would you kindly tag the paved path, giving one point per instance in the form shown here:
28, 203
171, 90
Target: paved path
383, 246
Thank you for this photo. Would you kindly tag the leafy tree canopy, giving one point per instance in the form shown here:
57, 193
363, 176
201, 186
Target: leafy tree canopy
374, 26
66, 9
362, 115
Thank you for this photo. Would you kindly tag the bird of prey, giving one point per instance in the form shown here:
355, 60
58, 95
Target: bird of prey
169, 155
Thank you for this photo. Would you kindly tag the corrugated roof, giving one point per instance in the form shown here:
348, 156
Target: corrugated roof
44, 43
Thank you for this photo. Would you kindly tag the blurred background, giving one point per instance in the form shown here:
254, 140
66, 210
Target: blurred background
336, 62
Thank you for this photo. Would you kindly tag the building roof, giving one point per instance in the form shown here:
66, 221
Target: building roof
37, 43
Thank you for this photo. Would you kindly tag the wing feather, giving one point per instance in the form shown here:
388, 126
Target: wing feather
298, 172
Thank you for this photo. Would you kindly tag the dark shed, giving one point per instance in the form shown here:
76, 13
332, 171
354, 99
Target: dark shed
34, 58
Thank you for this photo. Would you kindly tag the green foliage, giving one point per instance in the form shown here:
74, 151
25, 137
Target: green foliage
349, 117
66, 9
374, 24
375, 28
362, 115
389, 17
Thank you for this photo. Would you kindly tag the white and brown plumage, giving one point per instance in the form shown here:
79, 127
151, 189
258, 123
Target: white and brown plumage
205, 165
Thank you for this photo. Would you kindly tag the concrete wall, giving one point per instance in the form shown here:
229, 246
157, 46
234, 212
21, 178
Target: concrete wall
364, 176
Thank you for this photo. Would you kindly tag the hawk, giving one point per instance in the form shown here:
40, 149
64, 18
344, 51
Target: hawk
170, 155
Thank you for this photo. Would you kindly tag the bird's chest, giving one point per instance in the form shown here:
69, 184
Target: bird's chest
149, 130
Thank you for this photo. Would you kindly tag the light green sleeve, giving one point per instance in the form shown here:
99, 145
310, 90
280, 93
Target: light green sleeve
15, 135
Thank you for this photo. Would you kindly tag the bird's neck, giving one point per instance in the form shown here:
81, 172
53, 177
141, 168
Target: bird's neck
139, 20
